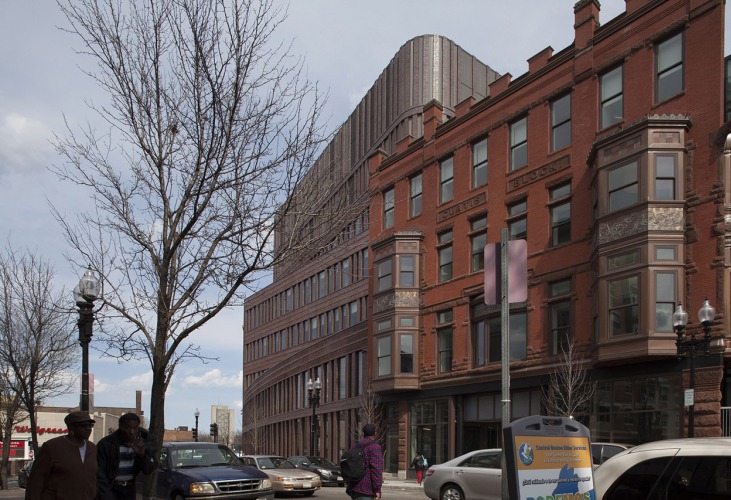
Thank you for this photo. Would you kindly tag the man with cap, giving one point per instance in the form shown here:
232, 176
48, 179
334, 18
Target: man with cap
65, 467
368, 487
121, 456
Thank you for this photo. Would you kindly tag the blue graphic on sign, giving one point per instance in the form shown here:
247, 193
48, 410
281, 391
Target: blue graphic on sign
525, 452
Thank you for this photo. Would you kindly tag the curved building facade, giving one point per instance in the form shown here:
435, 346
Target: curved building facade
312, 321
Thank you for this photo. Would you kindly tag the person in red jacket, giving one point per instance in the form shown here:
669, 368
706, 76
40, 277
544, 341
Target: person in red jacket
369, 487
65, 467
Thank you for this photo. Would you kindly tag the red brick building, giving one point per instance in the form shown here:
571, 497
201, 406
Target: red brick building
611, 159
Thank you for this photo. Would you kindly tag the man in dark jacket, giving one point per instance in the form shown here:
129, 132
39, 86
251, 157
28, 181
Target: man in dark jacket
369, 487
121, 456
65, 467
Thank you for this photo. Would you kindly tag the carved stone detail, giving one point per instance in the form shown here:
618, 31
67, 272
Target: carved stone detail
405, 299
653, 219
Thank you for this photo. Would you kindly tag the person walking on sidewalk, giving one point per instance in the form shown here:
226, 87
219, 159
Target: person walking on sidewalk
419, 464
369, 486
122, 455
65, 467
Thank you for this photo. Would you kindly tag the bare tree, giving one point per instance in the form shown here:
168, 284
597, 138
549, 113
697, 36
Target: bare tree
570, 391
212, 129
36, 333
11, 413
254, 425
370, 412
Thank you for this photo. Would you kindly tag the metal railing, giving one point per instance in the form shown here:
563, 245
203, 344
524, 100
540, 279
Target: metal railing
726, 421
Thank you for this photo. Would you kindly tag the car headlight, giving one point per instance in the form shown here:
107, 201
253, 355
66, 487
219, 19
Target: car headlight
202, 489
266, 484
324, 472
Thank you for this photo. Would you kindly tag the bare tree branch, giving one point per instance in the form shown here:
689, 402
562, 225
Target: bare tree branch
36, 333
570, 391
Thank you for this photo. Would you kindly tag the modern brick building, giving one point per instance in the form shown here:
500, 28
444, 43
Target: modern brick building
610, 158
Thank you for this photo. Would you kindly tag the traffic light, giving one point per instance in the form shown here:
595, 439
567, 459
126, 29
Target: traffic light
195, 434
214, 432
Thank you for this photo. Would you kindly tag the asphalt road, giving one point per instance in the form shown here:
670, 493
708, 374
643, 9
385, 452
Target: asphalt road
332, 493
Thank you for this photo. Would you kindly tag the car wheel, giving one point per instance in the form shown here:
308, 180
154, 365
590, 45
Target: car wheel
178, 497
451, 492
309, 493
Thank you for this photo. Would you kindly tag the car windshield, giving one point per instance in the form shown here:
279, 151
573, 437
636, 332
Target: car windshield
321, 461
275, 463
209, 456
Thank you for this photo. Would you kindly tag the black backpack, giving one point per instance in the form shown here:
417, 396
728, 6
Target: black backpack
352, 464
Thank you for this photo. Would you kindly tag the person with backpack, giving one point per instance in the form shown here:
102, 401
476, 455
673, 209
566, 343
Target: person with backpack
419, 464
362, 467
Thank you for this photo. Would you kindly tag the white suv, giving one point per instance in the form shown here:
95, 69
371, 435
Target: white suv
672, 469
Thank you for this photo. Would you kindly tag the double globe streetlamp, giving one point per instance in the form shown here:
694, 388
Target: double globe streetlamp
196, 414
689, 346
313, 398
85, 293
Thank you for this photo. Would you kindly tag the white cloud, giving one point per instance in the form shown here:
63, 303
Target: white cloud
214, 378
24, 143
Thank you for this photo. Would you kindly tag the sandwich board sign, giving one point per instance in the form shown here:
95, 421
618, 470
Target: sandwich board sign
548, 458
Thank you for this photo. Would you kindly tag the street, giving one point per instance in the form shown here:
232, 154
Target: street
332, 493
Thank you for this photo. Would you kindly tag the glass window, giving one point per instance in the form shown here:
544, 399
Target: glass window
407, 353
415, 196
612, 101
560, 214
487, 332
624, 305
445, 256
478, 240
665, 174
669, 57
406, 271
444, 336
623, 186
388, 208
384, 269
518, 220
384, 356
322, 284
561, 122
346, 273
560, 316
623, 259
479, 163
519, 143
446, 180
665, 299
353, 312
665, 253
639, 480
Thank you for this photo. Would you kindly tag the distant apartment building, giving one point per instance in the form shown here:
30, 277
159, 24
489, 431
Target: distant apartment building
225, 418
611, 158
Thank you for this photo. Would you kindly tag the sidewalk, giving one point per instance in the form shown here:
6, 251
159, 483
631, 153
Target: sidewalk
391, 483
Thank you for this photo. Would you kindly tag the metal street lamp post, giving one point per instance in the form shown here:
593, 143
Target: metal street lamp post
196, 414
85, 293
313, 398
689, 346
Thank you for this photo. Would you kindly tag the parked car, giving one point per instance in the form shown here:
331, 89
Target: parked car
476, 475
285, 476
673, 469
601, 452
329, 472
23, 474
207, 471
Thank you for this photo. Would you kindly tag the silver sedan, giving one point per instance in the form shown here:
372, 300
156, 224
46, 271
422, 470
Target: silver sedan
476, 475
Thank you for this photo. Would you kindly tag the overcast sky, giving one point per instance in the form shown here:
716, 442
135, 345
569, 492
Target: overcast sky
346, 43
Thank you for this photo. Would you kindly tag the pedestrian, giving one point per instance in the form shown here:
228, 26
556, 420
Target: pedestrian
122, 455
65, 467
369, 487
420, 464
